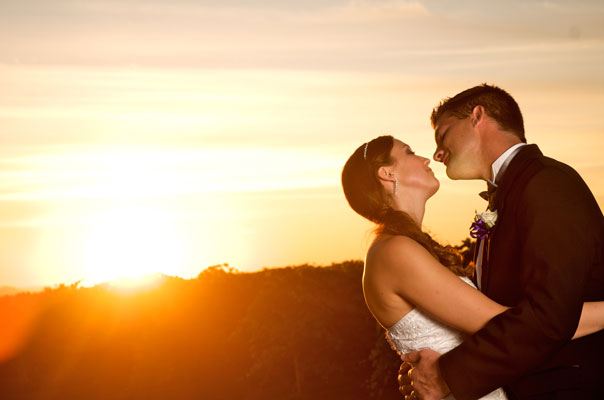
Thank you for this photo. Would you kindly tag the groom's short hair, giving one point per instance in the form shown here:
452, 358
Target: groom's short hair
497, 103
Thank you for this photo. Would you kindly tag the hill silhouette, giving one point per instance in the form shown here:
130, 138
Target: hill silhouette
300, 332
10, 290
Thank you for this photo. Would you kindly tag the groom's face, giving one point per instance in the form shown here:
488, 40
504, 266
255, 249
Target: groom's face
457, 146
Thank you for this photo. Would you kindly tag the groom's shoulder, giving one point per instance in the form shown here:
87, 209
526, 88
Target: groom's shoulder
558, 170
542, 175
533, 155
541, 167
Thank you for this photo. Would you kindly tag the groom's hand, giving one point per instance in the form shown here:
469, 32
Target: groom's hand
425, 375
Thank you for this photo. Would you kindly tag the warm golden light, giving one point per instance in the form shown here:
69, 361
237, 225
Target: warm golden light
136, 284
17, 318
130, 243
230, 124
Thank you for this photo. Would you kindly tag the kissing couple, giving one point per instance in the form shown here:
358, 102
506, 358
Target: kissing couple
533, 329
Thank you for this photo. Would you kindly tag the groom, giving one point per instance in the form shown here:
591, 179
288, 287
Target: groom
544, 257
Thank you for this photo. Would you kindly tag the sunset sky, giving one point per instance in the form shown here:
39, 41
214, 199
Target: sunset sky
141, 136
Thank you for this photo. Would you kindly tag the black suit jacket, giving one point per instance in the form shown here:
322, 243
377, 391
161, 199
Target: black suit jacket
546, 257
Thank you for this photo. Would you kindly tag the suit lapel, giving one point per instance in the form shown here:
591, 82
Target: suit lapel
511, 174
510, 180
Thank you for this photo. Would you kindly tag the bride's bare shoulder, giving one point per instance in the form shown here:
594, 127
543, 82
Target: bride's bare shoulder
395, 250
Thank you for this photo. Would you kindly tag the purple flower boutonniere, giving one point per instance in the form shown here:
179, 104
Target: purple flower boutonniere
483, 223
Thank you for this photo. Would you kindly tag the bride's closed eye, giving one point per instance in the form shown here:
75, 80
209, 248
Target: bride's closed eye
409, 151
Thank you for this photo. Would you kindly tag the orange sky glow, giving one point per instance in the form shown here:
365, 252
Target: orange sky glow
142, 137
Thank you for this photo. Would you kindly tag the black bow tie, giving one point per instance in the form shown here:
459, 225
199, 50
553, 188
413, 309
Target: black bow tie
488, 194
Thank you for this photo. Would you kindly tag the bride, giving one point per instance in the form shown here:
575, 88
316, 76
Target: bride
417, 289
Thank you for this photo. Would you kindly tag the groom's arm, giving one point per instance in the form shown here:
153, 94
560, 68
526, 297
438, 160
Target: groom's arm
554, 216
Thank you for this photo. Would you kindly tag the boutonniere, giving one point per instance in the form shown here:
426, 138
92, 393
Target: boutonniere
483, 223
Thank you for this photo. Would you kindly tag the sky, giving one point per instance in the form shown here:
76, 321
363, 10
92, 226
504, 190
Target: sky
167, 136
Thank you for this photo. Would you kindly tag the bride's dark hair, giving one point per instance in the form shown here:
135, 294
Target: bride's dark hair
367, 197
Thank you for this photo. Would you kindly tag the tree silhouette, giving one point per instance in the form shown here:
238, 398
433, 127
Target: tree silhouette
299, 332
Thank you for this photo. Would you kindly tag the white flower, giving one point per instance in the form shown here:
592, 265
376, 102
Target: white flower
488, 217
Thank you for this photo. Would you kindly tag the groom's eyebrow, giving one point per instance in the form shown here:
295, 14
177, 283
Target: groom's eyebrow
437, 134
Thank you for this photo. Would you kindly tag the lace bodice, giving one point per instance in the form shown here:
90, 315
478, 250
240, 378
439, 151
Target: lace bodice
417, 330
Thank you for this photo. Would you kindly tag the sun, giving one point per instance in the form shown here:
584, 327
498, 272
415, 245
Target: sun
129, 244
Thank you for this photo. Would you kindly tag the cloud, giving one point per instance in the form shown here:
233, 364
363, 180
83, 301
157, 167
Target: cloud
387, 35
190, 34
132, 172
357, 11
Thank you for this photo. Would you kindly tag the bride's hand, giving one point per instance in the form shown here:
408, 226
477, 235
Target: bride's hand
405, 384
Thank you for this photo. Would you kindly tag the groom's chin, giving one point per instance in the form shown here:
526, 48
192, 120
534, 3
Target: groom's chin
451, 175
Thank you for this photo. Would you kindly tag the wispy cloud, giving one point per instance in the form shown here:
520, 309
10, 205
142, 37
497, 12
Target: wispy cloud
135, 173
357, 11
332, 35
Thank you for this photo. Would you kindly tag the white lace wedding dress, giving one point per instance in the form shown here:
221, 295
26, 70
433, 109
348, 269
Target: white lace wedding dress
417, 330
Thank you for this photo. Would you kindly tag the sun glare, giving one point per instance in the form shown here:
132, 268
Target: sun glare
128, 245
130, 285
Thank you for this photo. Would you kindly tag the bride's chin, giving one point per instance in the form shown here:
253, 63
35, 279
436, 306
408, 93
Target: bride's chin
434, 188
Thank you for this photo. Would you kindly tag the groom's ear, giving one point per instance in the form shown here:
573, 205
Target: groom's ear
477, 115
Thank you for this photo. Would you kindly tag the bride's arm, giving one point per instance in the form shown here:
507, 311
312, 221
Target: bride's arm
421, 280
416, 276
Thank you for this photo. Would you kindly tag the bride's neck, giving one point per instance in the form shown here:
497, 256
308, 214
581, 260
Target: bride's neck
415, 207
